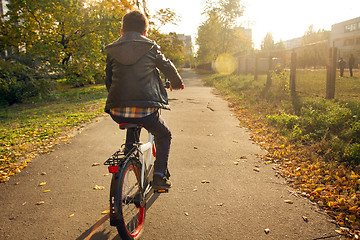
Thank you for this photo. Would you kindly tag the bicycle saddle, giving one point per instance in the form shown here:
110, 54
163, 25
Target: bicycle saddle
129, 125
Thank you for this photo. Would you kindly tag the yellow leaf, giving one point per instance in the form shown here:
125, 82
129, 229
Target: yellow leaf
99, 187
40, 203
289, 201
319, 189
71, 215
105, 212
42, 183
342, 200
354, 175
45, 191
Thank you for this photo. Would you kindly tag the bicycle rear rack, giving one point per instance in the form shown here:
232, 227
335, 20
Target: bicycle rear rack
116, 159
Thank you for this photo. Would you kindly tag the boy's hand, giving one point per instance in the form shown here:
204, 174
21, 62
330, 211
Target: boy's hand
182, 87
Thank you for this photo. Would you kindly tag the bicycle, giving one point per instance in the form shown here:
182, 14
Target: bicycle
131, 184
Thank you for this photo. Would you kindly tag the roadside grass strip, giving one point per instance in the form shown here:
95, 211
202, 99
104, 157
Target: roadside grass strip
27, 130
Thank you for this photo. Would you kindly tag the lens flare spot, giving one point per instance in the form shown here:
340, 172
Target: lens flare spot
225, 64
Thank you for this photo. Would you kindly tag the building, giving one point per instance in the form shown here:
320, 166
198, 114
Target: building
3, 7
292, 43
345, 36
186, 39
3, 11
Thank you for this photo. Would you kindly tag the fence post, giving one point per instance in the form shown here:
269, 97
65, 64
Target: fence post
246, 65
331, 74
268, 79
333, 80
256, 67
293, 72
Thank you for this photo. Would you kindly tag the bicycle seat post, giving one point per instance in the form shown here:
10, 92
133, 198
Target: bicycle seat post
133, 132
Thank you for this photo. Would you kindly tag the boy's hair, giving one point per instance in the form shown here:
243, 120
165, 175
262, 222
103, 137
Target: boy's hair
135, 21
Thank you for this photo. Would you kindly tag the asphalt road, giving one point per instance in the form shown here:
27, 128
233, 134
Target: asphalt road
237, 202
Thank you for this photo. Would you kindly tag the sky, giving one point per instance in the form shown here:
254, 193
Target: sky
285, 19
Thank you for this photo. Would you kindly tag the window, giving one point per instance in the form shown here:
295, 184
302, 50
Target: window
350, 27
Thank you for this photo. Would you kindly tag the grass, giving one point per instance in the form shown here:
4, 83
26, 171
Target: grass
35, 127
312, 83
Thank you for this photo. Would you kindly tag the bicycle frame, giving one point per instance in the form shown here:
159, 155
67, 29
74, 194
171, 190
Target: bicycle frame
144, 152
146, 161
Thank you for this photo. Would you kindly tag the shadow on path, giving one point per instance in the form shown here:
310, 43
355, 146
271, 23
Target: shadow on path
92, 234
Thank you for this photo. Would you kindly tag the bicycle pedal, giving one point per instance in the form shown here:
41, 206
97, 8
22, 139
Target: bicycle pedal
161, 191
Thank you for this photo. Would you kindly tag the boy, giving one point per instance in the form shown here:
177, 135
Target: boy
135, 90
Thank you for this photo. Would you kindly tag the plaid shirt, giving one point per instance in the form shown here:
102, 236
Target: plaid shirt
132, 112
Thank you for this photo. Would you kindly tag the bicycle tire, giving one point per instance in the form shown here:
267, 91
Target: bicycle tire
126, 214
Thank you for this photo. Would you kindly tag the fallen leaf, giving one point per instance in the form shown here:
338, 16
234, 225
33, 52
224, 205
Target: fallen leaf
266, 230
71, 215
195, 147
243, 157
236, 163
105, 212
339, 232
95, 164
45, 191
40, 203
289, 201
205, 181
186, 214
96, 187
256, 169
42, 183
43, 173
220, 204
305, 218
235, 141
24, 203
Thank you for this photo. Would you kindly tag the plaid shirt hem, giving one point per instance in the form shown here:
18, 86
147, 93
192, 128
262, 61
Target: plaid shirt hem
132, 112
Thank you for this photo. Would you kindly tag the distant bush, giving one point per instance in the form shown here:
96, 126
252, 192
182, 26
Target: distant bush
19, 82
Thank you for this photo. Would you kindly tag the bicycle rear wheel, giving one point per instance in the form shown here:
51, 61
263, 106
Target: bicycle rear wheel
126, 197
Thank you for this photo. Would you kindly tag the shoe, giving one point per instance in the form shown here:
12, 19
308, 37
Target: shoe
160, 183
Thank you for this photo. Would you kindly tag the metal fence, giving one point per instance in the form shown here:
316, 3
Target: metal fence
321, 80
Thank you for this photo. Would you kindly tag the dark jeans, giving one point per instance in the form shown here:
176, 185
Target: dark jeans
157, 127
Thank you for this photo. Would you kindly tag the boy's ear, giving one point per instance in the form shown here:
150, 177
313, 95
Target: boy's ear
121, 31
144, 33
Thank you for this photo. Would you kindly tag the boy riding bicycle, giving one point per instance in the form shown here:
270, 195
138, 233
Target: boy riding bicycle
135, 90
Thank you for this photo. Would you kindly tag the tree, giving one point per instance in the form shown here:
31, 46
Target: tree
67, 36
171, 46
268, 42
221, 33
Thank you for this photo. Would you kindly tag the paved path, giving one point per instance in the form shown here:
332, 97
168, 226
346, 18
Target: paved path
237, 203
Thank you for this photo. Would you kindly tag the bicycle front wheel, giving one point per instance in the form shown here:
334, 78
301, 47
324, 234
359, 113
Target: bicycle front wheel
127, 202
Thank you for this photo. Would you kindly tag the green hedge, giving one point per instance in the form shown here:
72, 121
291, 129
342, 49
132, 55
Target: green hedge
19, 83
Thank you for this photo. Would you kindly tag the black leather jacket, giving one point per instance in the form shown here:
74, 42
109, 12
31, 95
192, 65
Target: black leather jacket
132, 76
